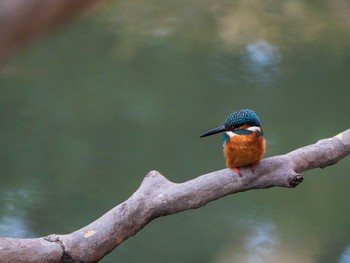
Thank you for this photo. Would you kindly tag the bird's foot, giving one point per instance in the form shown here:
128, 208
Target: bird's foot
237, 171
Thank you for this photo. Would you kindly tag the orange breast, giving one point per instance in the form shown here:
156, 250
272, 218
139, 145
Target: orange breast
242, 150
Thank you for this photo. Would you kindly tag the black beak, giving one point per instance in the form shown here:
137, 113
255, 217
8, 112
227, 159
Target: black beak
214, 131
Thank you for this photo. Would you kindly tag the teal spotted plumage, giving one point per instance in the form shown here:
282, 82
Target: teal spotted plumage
239, 118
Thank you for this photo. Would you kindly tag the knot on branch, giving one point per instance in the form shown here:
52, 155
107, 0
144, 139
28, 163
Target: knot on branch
66, 257
154, 177
295, 181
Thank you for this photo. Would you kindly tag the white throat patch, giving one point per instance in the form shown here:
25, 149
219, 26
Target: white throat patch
254, 128
231, 134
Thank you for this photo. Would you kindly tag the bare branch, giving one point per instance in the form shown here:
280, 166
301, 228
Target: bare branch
321, 154
157, 197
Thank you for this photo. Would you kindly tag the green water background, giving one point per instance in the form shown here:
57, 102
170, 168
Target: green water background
87, 111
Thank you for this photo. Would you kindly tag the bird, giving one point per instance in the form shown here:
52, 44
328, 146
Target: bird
243, 140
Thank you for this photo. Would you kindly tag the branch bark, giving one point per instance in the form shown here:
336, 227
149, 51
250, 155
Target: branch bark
158, 196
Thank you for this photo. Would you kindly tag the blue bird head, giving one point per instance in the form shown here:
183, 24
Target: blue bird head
236, 120
240, 118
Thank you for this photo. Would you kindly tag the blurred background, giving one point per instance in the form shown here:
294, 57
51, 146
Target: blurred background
89, 110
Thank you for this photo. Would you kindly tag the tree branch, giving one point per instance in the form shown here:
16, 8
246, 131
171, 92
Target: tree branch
157, 197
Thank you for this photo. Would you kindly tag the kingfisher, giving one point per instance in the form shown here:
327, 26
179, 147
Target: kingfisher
243, 139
